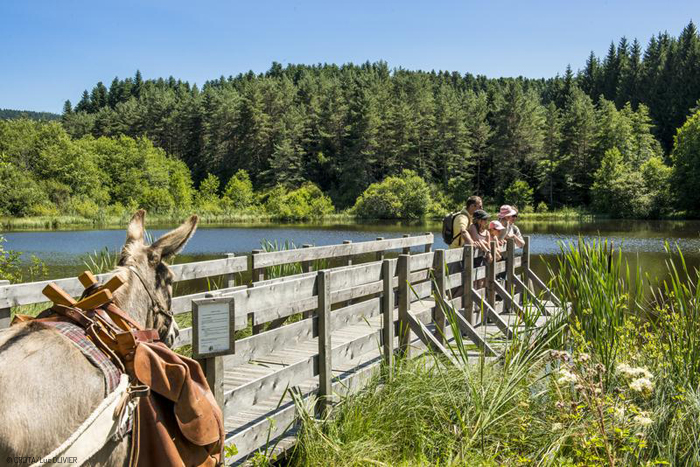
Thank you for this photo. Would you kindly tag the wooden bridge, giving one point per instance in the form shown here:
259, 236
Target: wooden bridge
325, 333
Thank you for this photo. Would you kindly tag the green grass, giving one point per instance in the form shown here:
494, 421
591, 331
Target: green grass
614, 384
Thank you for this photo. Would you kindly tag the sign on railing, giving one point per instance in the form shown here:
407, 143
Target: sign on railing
213, 327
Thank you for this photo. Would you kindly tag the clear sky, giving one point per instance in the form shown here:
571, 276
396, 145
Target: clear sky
52, 50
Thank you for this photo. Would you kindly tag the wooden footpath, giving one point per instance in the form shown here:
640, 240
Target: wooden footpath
347, 321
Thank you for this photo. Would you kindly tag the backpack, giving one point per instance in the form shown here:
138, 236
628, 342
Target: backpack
448, 223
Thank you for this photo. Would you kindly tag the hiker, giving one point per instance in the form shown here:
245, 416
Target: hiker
507, 216
462, 221
482, 238
495, 229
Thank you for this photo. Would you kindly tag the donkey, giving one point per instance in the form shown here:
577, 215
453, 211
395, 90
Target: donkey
48, 388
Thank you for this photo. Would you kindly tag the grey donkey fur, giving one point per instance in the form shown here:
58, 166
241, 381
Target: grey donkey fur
48, 388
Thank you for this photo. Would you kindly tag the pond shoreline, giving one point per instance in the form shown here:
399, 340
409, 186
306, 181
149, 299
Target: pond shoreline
49, 223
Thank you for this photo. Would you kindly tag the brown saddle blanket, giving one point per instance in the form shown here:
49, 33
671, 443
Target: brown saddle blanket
180, 423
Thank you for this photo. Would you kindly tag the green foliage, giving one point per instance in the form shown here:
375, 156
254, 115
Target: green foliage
239, 190
519, 194
403, 197
686, 164
542, 208
627, 192
304, 203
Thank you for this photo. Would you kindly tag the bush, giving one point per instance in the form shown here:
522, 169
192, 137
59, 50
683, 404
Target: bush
404, 197
542, 208
306, 202
239, 191
519, 194
18, 191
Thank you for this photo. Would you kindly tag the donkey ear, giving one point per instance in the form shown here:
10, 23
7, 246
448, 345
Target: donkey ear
172, 242
134, 233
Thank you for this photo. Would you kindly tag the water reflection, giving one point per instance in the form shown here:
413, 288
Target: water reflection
63, 251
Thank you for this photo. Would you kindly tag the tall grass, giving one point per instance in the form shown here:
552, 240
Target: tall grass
625, 391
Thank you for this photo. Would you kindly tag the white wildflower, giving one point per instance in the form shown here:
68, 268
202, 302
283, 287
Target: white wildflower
557, 427
620, 413
565, 376
634, 372
642, 385
643, 420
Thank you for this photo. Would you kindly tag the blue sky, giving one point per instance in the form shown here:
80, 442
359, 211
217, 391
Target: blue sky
52, 50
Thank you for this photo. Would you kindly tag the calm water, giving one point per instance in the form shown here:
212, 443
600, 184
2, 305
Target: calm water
643, 241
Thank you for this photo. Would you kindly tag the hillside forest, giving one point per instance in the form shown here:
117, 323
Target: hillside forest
620, 136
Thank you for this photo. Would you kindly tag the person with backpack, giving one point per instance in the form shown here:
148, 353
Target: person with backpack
455, 233
455, 226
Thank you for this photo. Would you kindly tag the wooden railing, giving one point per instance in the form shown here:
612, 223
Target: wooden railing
31, 293
332, 299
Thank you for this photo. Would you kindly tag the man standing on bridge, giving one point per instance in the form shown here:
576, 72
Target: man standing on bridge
462, 221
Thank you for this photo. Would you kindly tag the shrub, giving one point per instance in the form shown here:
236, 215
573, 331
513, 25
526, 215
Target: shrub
520, 194
208, 193
618, 190
239, 190
542, 207
18, 191
306, 202
404, 197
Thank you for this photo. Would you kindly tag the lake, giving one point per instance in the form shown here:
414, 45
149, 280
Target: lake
642, 241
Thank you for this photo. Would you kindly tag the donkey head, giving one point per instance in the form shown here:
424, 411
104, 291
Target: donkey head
147, 292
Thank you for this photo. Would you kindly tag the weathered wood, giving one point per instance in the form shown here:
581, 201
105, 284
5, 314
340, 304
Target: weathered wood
491, 276
292, 334
531, 296
510, 266
404, 299
510, 304
407, 249
428, 246
307, 268
325, 373
491, 314
347, 261
387, 303
57, 295
467, 282
379, 256
257, 275
428, 338
183, 303
540, 283
5, 313
441, 293
274, 258
525, 262
213, 369
422, 261
230, 278
468, 330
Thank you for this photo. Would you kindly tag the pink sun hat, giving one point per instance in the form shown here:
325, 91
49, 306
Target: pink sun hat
496, 225
506, 210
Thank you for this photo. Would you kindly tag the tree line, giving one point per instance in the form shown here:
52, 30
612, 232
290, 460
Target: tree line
344, 128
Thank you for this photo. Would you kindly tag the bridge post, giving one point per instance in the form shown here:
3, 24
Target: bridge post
230, 278
441, 292
306, 266
491, 277
407, 249
5, 313
257, 276
428, 246
348, 259
404, 268
525, 264
213, 368
387, 310
380, 254
468, 283
325, 368
510, 270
